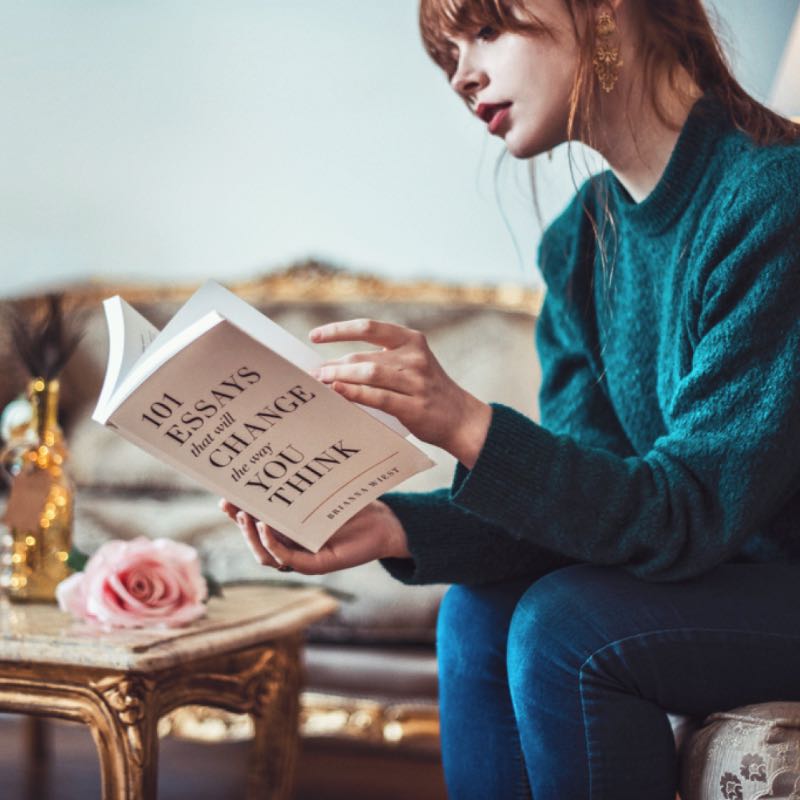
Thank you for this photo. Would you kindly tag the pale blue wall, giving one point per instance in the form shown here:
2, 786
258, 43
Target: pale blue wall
177, 139
755, 31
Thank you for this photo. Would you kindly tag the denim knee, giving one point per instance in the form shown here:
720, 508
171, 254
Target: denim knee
555, 625
472, 627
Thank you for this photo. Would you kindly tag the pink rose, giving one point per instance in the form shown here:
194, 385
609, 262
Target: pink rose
135, 584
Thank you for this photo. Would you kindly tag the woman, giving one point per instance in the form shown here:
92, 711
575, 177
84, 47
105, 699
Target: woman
637, 551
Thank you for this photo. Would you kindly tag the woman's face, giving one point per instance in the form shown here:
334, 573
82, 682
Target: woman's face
519, 83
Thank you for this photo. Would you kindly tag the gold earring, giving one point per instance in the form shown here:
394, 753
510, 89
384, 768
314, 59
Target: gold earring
606, 59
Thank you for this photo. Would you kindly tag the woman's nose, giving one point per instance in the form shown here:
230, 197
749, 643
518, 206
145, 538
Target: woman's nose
468, 79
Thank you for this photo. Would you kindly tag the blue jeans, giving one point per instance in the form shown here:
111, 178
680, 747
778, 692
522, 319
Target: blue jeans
559, 688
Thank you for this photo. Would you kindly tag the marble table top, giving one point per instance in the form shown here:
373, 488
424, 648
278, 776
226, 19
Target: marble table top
246, 615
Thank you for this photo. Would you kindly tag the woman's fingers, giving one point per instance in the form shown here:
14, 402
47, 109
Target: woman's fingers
391, 402
229, 508
403, 379
383, 334
369, 373
297, 560
253, 539
362, 538
255, 534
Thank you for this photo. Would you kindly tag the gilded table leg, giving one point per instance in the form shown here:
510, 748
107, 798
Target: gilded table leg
129, 770
262, 681
276, 716
117, 708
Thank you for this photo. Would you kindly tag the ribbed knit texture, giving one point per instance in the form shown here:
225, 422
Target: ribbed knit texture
670, 403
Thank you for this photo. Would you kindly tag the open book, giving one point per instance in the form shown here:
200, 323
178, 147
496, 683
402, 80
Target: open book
223, 395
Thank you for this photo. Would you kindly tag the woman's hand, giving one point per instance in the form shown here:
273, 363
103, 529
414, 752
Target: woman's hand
405, 380
375, 532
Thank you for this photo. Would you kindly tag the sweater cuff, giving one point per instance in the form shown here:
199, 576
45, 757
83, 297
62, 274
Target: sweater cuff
446, 544
427, 559
514, 458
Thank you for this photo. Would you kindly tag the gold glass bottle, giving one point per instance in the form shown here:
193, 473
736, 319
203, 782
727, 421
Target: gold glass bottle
39, 513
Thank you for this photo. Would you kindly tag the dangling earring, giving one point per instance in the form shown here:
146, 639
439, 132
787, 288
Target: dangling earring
606, 59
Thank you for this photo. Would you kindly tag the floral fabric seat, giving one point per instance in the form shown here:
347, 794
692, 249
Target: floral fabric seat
747, 753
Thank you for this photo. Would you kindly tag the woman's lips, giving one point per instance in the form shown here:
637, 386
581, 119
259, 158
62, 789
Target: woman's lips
493, 114
498, 119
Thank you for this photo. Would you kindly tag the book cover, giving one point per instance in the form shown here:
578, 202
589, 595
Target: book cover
210, 396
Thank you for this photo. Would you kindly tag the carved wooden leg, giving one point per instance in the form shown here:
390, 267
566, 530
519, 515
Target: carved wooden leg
276, 740
119, 710
129, 769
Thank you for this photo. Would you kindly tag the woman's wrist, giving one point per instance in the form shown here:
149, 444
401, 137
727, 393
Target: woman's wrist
396, 539
469, 436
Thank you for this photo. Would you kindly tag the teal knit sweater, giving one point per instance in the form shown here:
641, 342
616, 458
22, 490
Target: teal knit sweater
669, 440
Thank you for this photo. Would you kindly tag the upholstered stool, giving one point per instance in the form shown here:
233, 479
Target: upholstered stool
747, 753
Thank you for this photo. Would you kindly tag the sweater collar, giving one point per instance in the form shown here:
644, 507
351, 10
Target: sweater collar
706, 121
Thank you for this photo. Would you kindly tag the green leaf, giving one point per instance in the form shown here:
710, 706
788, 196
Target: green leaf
76, 560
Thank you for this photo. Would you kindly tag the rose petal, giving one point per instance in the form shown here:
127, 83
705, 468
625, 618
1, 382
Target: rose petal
70, 595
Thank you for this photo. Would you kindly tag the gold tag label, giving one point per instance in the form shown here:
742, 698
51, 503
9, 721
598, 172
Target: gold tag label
29, 493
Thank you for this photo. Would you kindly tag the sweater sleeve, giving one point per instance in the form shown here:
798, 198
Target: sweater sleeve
450, 545
728, 461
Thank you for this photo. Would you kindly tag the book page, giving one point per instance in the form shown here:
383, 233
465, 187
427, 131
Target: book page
129, 336
152, 359
254, 428
212, 296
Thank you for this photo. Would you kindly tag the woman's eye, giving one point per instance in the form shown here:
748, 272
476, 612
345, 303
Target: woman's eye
486, 32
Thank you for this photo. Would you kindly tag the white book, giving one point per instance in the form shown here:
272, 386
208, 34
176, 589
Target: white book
224, 395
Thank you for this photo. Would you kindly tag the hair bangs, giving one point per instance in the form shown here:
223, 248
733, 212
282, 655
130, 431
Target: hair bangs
441, 20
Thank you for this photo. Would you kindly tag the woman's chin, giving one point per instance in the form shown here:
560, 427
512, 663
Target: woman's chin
524, 148
522, 152
523, 143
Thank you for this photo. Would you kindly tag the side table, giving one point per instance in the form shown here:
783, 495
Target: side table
243, 657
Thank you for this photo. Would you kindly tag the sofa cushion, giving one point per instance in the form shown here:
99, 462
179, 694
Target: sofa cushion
747, 753
396, 673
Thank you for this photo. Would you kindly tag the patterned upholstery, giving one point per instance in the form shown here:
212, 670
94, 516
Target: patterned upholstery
748, 753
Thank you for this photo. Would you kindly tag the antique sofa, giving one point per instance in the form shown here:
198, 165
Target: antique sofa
371, 683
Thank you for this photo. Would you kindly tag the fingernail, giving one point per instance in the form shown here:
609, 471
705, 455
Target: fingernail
240, 518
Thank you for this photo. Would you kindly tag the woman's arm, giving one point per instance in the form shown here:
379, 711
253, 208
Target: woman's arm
449, 545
